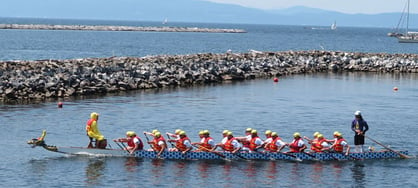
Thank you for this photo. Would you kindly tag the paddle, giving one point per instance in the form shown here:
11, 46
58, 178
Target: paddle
146, 136
152, 146
126, 149
400, 154
174, 146
122, 148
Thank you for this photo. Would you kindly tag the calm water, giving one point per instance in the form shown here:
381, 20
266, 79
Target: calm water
30, 44
304, 103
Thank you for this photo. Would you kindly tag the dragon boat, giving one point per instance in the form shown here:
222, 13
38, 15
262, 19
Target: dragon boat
218, 155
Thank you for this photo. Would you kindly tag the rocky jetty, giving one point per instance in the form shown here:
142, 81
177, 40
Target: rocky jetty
118, 28
42, 79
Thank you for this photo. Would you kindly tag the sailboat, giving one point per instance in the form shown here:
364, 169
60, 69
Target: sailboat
165, 21
397, 31
409, 36
334, 26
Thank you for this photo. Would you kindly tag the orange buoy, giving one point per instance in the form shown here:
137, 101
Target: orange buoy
276, 79
60, 104
395, 89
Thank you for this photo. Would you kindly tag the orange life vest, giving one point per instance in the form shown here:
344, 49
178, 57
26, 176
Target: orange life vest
205, 145
253, 145
317, 145
272, 145
228, 145
338, 146
155, 143
180, 144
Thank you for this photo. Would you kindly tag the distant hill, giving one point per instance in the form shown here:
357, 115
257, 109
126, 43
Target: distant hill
194, 11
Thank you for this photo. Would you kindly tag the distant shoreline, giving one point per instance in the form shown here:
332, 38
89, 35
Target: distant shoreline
118, 28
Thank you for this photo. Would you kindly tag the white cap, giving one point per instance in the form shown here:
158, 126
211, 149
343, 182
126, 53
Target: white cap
357, 113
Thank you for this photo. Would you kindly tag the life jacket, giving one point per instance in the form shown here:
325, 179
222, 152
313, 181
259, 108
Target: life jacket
316, 145
180, 144
338, 146
294, 146
228, 145
88, 125
204, 146
272, 145
155, 143
245, 143
253, 145
132, 144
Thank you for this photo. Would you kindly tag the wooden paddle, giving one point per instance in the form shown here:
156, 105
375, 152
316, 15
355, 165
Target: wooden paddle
146, 136
400, 154
122, 148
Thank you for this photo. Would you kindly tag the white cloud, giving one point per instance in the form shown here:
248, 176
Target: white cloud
345, 6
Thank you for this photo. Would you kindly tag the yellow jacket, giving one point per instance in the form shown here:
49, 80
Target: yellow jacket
92, 127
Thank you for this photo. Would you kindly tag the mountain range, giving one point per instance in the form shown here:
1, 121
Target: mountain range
195, 11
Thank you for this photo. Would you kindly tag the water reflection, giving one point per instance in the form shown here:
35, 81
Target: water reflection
337, 168
358, 174
180, 170
317, 173
132, 164
94, 171
272, 172
203, 168
157, 173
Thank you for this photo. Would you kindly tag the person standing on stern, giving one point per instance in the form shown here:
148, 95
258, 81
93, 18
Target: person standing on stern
359, 126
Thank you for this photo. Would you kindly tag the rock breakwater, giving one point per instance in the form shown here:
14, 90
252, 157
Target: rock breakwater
37, 80
118, 28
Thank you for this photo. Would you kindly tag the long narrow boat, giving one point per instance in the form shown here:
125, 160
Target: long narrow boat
199, 155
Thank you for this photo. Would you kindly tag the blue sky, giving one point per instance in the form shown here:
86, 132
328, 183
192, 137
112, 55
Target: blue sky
344, 6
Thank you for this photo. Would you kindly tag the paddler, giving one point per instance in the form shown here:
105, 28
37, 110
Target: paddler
319, 144
232, 145
255, 142
268, 137
340, 144
152, 132
133, 141
315, 136
176, 135
297, 145
206, 143
223, 141
245, 140
313, 142
158, 143
183, 144
276, 144
359, 126
92, 129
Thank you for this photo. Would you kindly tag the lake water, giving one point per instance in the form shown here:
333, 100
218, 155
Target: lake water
305, 103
